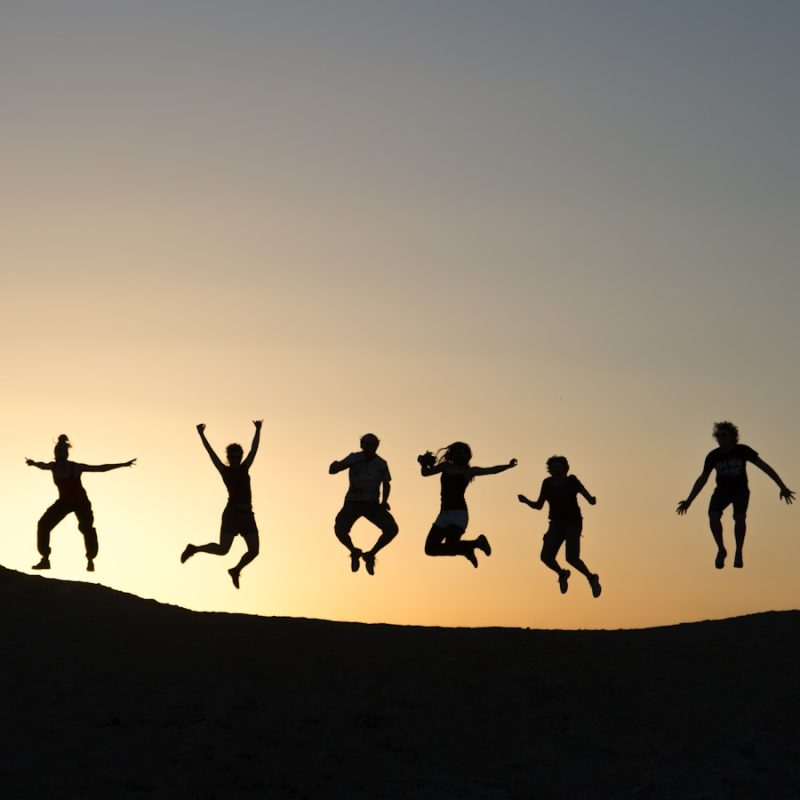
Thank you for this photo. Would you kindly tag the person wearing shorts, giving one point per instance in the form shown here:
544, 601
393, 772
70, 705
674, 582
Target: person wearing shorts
368, 497
560, 491
729, 461
237, 518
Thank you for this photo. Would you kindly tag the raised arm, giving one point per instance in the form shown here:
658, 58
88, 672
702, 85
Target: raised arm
254, 447
104, 467
491, 470
39, 464
201, 429
786, 493
683, 506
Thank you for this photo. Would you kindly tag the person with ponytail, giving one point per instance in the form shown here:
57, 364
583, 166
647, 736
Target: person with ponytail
72, 499
445, 536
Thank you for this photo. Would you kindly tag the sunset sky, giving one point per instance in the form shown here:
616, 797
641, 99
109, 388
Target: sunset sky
538, 227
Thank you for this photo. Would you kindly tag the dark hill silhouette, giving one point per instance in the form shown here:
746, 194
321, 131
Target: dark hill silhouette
108, 695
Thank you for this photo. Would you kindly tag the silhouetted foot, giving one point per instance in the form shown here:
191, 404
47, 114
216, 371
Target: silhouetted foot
369, 562
234, 573
43, 564
472, 558
738, 562
562, 580
719, 561
355, 559
594, 582
482, 543
188, 553
89, 565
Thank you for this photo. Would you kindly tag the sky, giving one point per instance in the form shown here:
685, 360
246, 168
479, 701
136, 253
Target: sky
541, 228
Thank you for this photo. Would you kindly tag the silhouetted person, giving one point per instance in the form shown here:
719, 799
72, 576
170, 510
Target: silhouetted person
730, 461
368, 496
237, 517
72, 499
445, 535
560, 491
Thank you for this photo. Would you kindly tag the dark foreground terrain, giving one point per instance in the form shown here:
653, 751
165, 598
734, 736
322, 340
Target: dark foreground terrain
108, 695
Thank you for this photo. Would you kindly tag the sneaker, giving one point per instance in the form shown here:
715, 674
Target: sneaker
89, 565
594, 582
482, 543
188, 553
43, 564
369, 562
234, 573
738, 562
719, 561
355, 560
472, 558
562, 580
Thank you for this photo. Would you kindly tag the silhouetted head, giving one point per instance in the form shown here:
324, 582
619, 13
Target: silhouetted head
61, 449
456, 453
726, 433
558, 466
235, 454
369, 443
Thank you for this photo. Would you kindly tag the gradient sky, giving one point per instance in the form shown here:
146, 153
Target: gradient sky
538, 227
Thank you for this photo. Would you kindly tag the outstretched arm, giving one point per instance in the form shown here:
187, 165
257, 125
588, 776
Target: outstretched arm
683, 506
201, 429
491, 470
346, 462
786, 493
104, 467
254, 447
39, 464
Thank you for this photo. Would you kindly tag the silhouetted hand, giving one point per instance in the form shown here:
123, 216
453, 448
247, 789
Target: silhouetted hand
30, 462
592, 500
683, 507
513, 462
787, 495
129, 463
258, 423
386, 506
201, 427
523, 499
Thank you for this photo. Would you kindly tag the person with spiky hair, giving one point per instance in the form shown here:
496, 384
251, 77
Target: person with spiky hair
729, 460
367, 496
560, 491
72, 499
445, 537
238, 517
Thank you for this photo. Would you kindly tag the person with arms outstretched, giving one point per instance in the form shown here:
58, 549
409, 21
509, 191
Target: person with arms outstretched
445, 537
237, 517
560, 491
72, 499
367, 496
729, 460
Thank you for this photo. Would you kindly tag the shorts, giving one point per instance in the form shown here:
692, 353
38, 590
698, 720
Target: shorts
723, 497
559, 532
238, 520
452, 518
376, 513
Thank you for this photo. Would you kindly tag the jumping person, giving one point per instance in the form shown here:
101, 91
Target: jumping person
730, 461
237, 518
445, 535
72, 499
367, 496
560, 491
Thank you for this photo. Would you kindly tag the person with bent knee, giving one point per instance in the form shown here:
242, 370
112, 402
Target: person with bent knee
237, 517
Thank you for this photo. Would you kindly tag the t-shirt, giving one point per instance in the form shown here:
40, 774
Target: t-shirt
453, 487
730, 466
562, 497
237, 482
366, 478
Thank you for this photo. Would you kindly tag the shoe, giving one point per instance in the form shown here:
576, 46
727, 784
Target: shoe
738, 562
369, 562
355, 560
482, 543
43, 564
234, 573
472, 558
562, 580
719, 561
89, 565
188, 553
594, 582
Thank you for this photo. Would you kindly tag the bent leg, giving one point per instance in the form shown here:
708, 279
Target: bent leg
46, 523
551, 544
86, 527
253, 547
343, 524
220, 548
388, 527
715, 524
574, 554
